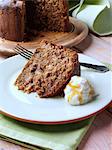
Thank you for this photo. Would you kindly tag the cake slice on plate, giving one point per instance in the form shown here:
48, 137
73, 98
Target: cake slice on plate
49, 70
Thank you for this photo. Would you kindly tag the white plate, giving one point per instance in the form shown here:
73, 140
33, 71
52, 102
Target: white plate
30, 108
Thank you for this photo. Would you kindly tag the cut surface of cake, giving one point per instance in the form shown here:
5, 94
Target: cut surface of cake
49, 70
17, 17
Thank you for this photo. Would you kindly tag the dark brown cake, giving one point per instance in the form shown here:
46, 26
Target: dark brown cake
47, 15
21, 16
12, 20
49, 70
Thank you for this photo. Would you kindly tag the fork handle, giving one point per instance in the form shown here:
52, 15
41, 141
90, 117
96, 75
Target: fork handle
99, 68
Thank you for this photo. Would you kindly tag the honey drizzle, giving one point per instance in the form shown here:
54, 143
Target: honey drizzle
74, 92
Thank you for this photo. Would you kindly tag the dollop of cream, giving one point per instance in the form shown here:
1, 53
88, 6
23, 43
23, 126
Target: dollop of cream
79, 91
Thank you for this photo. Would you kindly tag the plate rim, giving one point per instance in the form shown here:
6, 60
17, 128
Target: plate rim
54, 122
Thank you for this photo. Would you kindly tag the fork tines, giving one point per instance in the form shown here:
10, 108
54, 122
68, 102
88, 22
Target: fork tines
23, 51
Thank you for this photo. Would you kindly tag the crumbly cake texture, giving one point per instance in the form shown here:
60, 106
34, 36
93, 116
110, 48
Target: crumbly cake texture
49, 70
19, 17
47, 15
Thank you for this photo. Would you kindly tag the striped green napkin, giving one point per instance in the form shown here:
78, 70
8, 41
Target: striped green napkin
36, 137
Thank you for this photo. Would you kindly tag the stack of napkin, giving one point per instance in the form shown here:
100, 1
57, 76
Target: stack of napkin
44, 137
97, 14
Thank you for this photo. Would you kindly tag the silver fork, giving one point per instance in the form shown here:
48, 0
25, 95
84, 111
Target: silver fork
28, 54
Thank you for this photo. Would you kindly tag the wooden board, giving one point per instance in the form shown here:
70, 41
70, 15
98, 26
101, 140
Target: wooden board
78, 32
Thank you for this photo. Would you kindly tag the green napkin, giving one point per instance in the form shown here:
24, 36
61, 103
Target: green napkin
97, 14
73, 4
53, 137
